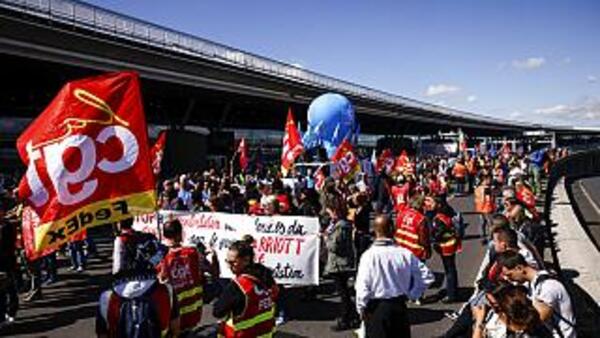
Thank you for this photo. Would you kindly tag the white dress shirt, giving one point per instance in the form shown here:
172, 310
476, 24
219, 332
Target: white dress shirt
387, 270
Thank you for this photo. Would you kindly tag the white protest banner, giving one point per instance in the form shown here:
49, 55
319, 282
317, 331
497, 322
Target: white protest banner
287, 244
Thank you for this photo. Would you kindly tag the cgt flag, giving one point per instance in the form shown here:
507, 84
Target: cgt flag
87, 159
292, 144
347, 165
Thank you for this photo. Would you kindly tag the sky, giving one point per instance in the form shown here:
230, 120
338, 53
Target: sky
528, 60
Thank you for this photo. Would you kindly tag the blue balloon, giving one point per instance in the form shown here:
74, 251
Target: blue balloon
331, 119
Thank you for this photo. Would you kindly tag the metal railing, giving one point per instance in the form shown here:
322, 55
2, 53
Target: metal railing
122, 26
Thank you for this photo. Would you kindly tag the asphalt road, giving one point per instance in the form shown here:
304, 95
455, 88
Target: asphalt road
68, 307
586, 193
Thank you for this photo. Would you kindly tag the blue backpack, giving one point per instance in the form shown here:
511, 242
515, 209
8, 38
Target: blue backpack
138, 317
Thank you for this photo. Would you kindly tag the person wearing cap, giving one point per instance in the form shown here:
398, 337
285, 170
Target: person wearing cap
137, 304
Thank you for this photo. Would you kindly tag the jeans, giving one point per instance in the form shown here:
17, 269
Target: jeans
341, 285
77, 254
451, 276
50, 265
362, 242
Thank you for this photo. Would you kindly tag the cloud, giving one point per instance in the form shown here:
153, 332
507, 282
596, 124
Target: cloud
515, 114
441, 89
586, 109
471, 98
566, 60
530, 63
592, 79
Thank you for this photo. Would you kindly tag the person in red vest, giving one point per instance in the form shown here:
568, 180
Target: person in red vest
412, 231
400, 194
247, 304
446, 243
183, 268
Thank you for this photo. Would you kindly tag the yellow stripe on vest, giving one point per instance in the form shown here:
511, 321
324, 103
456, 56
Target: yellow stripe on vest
248, 323
407, 234
448, 243
409, 244
191, 308
189, 293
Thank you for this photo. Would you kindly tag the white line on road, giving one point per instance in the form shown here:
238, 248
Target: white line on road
589, 197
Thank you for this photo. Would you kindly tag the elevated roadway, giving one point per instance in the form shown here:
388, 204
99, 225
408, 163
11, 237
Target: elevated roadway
82, 36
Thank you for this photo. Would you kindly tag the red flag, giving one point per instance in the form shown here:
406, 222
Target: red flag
385, 160
157, 152
87, 159
292, 143
243, 153
319, 177
402, 162
346, 162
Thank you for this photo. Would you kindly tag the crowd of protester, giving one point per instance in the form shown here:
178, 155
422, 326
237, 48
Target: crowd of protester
159, 289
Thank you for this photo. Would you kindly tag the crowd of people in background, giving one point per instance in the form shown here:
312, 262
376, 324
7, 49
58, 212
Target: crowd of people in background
160, 289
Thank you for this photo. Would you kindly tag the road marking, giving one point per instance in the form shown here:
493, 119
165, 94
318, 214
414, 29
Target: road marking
589, 197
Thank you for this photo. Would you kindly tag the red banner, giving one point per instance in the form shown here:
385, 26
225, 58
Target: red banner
292, 143
347, 163
243, 153
157, 153
87, 159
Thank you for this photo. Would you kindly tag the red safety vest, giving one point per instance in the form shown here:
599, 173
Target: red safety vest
449, 244
400, 194
161, 299
257, 320
408, 229
181, 266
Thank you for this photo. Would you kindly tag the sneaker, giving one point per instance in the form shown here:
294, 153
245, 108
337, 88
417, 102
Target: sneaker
9, 320
34, 295
418, 301
453, 315
80, 269
72, 268
280, 320
49, 281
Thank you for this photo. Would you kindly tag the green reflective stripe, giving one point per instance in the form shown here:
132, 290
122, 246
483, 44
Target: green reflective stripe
189, 293
266, 335
252, 321
192, 307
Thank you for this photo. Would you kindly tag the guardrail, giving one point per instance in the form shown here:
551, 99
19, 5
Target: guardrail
576, 166
119, 25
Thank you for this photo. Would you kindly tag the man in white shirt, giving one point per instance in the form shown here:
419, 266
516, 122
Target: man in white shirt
387, 276
549, 295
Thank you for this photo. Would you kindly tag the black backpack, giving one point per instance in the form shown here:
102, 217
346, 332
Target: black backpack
138, 317
556, 317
